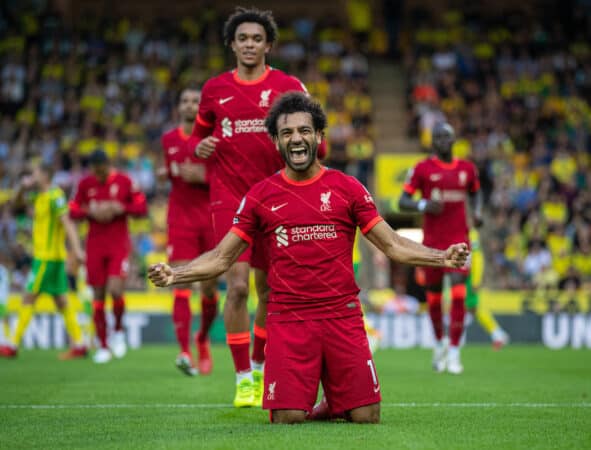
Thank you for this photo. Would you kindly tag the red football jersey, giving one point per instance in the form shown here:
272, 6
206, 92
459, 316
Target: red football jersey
309, 229
234, 111
450, 183
188, 202
119, 187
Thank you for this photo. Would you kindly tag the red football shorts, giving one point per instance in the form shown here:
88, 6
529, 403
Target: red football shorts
335, 351
255, 254
102, 263
185, 244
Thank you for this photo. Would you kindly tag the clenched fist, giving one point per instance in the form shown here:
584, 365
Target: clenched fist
161, 274
456, 255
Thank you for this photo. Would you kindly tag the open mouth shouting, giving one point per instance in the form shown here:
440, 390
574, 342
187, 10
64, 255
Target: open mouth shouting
298, 154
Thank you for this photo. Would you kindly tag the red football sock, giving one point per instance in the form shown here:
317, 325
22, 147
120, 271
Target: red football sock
181, 318
457, 313
239, 344
100, 322
434, 301
209, 311
258, 347
118, 311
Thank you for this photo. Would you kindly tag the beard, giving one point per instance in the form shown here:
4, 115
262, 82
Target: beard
302, 160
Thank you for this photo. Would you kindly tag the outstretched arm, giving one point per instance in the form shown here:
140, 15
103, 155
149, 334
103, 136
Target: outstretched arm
206, 266
405, 251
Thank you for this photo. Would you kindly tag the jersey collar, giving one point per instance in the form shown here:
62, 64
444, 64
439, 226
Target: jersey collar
263, 77
447, 166
305, 182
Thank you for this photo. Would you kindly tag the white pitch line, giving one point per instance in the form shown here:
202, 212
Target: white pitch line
223, 405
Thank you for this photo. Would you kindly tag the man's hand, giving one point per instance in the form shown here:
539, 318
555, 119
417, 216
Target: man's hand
434, 207
100, 211
206, 147
80, 256
192, 173
456, 256
161, 274
116, 207
477, 220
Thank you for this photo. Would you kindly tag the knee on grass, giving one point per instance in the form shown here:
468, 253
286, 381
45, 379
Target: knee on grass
364, 414
288, 416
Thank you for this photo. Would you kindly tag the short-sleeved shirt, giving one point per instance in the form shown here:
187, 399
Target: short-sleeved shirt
118, 186
450, 183
309, 229
188, 204
235, 110
49, 235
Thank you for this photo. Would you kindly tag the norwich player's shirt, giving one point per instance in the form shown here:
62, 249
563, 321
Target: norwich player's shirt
49, 235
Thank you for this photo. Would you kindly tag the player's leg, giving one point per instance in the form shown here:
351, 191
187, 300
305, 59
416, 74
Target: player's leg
433, 288
349, 376
99, 318
209, 311
116, 288
292, 369
237, 322
257, 359
33, 288
182, 316
96, 270
364, 414
456, 325
24, 316
117, 269
288, 416
77, 345
59, 289
209, 307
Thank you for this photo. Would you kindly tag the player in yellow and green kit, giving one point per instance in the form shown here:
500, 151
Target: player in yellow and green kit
51, 226
483, 315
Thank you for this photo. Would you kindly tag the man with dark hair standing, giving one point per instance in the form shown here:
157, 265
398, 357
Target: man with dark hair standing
445, 184
51, 228
231, 129
308, 216
190, 231
106, 197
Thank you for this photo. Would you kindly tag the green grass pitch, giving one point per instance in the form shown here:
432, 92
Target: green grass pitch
519, 398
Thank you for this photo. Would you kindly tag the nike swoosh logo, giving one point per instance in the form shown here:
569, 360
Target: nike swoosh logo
376, 389
276, 207
224, 100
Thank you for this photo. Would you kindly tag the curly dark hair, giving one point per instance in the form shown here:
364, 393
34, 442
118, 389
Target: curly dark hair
293, 102
254, 15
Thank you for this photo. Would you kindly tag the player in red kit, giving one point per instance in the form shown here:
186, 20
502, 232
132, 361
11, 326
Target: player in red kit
230, 126
308, 216
445, 184
106, 197
190, 231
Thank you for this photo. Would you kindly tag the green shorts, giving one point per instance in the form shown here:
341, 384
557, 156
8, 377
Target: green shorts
47, 276
471, 294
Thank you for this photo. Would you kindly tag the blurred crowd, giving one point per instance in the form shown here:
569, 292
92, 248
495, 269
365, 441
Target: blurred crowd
517, 90
112, 84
